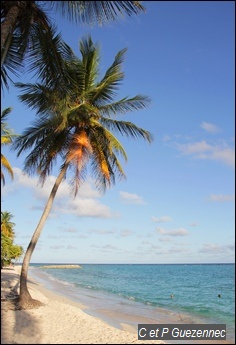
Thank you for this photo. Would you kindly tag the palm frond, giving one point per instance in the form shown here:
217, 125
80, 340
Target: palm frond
125, 105
7, 134
106, 88
78, 154
45, 100
90, 61
45, 144
92, 12
5, 113
6, 139
20, 35
104, 162
5, 164
11, 60
114, 144
48, 57
128, 129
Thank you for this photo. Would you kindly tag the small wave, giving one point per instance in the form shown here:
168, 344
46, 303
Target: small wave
52, 278
131, 298
56, 280
65, 283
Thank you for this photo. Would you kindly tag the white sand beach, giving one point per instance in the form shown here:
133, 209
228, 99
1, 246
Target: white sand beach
60, 321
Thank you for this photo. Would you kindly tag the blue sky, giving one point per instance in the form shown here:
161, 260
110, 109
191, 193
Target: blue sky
177, 202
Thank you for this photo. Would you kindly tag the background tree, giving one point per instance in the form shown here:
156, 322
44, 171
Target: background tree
27, 29
9, 251
7, 226
7, 136
76, 124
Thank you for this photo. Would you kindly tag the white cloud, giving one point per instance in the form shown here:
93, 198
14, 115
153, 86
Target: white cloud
197, 147
177, 232
119, 233
101, 232
129, 198
23, 180
225, 155
222, 198
159, 250
165, 239
20, 180
106, 247
216, 249
162, 219
209, 127
84, 208
86, 203
126, 233
203, 150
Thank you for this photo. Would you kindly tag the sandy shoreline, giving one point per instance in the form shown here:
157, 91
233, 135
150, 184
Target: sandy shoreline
60, 321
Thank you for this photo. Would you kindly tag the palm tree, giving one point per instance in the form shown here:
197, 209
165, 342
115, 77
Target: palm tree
76, 125
9, 251
26, 28
7, 225
7, 137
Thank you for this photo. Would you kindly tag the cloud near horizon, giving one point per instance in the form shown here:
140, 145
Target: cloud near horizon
177, 232
222, 198
216, 249
162, 219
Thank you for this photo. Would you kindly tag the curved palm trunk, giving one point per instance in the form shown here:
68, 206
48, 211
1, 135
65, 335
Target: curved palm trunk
7, 28
25, 300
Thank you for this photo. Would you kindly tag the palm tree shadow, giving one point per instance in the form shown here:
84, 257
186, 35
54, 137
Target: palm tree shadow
10, 284
16, 325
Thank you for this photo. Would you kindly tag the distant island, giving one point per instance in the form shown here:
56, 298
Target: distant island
61, 266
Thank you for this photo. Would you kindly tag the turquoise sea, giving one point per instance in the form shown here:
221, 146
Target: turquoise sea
177, 293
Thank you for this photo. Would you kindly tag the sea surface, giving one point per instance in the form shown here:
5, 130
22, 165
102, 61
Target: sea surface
162, 293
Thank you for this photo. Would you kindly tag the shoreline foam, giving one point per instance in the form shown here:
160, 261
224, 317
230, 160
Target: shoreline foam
60, 321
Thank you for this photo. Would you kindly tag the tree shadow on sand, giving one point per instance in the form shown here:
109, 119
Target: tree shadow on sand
16, 324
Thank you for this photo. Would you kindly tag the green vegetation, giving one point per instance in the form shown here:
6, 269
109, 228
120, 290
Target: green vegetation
29, 39
7, 137
9, 250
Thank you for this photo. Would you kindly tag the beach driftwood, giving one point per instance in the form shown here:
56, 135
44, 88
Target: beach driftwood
61, 266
